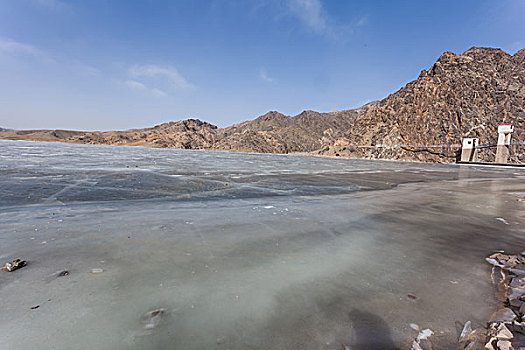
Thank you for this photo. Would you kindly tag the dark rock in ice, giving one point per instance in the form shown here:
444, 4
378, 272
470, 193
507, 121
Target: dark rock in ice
518, 332
63, 273
152, 318
14, 265
475, 340
411, 296
522, 309
515, 295
517, 272
503, 315
518, 281
467, 329
35, 307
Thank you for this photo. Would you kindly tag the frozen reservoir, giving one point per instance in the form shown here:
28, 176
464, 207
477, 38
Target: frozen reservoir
136, 248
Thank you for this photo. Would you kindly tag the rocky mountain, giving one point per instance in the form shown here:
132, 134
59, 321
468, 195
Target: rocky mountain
277, 133
270, 133
188, 134
4, 129
466, 95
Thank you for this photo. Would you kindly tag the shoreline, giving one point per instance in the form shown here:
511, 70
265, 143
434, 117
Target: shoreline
308, 154
505, 329
373, 220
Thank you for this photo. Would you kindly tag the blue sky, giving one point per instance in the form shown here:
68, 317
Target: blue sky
102, 64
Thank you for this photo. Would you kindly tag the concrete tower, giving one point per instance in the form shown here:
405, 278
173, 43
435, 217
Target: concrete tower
502, 152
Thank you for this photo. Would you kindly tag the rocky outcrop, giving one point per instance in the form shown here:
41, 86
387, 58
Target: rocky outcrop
465, 95
505, 329
270, 133
277, 133
187, 134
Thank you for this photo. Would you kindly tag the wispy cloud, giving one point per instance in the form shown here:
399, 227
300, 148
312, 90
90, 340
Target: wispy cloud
311, 13
314, 16
31, 54
171, 74
263, 75
8, 46
137, 85
25, 51
362, 21
86, 69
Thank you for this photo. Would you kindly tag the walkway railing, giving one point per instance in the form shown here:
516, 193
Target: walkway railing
435, 146
445, 154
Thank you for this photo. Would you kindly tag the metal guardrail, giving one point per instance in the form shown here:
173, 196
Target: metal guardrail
429, 146
451, 150
495, 144
439, 146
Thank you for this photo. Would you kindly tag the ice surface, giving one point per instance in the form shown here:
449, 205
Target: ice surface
218, 250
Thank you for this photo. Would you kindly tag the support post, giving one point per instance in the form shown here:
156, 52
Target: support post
469, 150
502, 150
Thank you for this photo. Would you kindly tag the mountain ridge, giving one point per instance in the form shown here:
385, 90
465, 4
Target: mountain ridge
465, 95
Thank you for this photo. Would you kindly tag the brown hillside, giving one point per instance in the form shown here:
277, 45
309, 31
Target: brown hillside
459, 96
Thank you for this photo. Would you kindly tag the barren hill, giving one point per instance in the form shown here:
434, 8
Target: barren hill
465, 95
189, 134
270, 133
460, 95
277, 133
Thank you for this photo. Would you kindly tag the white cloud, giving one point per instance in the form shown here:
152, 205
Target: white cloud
87, 69
29, 54
158, 92
161, 72
265, 77
314, 16
8, 46
362, 21
311, 13
137, 85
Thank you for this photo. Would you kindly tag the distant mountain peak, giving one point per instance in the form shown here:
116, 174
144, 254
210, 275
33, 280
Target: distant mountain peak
519, 56
459, 95
186, 122
273, 114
